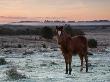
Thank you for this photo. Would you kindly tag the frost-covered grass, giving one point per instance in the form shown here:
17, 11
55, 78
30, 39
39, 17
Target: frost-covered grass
50, 67
47, 65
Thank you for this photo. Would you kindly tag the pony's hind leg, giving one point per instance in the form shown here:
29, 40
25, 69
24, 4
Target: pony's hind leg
81, 59
86, 60
70, 60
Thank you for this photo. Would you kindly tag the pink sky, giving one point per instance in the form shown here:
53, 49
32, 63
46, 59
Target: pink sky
12, 10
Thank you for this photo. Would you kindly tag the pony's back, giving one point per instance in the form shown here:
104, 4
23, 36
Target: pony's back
79, 43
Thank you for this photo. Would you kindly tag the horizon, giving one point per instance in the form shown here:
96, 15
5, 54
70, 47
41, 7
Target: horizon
74, 10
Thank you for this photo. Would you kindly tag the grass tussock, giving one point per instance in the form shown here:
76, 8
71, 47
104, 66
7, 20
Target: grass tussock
14, 74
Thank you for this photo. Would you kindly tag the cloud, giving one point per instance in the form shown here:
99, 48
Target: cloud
10, 17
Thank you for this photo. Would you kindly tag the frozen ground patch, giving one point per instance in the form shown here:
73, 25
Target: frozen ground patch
50, 67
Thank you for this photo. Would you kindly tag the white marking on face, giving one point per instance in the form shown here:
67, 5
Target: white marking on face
59, 33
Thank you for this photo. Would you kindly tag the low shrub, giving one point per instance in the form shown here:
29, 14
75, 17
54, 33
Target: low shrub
2, 61
92, 43
19, 46
28, 53
14, 74
44, 45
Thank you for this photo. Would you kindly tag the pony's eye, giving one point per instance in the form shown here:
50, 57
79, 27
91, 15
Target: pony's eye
59, 33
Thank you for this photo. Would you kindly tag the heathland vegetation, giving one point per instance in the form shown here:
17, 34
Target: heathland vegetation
45, 32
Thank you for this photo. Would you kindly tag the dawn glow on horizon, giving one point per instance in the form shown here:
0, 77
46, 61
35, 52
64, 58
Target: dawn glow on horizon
64, 9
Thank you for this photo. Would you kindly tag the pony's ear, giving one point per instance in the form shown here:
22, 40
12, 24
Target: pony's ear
56, 27
61, 27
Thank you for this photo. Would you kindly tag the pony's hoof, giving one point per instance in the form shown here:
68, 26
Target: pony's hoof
66, 73
69, 73
86, 70
81, 70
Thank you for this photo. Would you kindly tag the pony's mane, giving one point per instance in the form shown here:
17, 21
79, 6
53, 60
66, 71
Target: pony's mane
66, 42
67, 35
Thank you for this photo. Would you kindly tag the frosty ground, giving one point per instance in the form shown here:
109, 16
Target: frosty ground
48, 65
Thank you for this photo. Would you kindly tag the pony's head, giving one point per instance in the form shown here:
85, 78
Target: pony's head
59, 33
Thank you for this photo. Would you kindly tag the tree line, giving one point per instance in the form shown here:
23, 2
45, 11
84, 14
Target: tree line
46, 32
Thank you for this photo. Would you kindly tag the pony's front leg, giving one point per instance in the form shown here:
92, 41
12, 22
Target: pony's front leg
86, 60
70, 60
66, 62
66, 68
70, 69
81, 59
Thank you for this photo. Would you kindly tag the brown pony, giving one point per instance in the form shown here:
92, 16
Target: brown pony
71, 45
